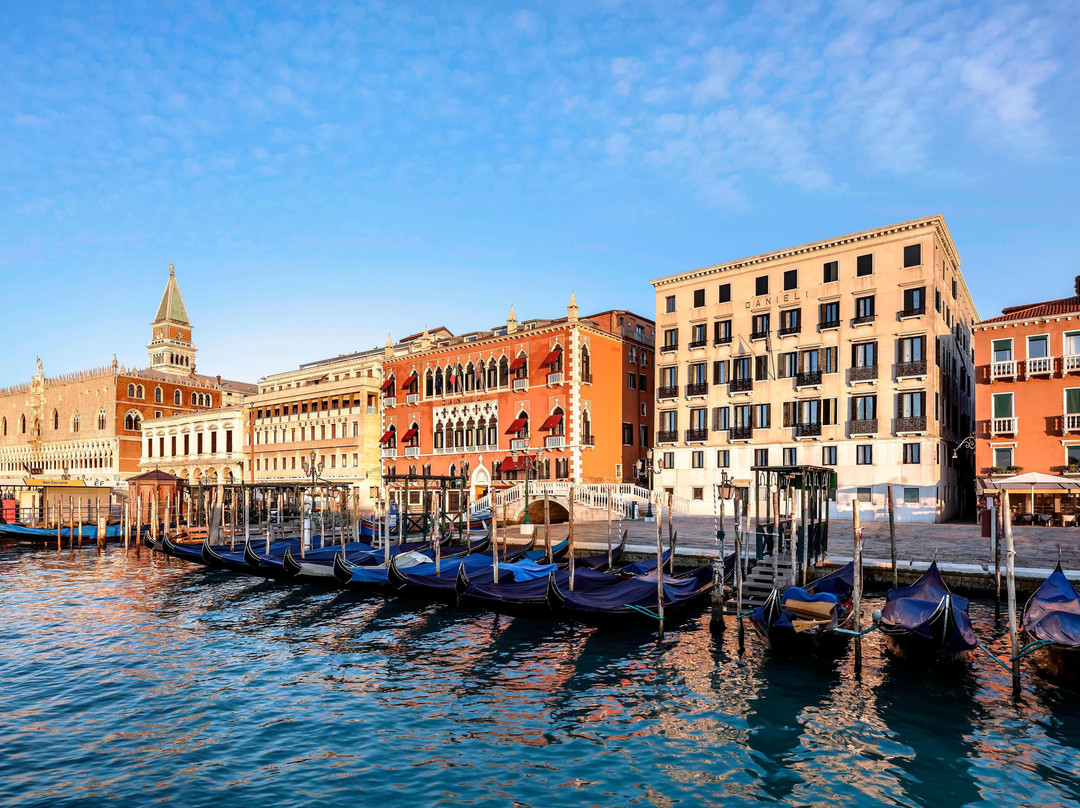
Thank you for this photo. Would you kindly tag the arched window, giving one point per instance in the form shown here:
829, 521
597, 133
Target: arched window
177, 398
633, 354
75, 422
3, 426
133, 421
438, 382
504, 372
101, 419
429, 384
131, 391
37, 428
470, 432
193, 399
139, 392
55, 420
439, 436
586, 428
453, 473
523, 432
459, 435
470, 377
557, 365
451, 380
414, 440
492, 374
522, 361
557, 427
481, 432
586, 365
22, 424
159, 396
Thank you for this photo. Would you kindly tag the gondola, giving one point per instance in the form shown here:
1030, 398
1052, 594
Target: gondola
525, 598
558, 552
600, 561
927, 623
376, 577
803, 622
439, 581
1052, 616
41, 534
632, 600
646, 566
225, 556
369, 527
319, 564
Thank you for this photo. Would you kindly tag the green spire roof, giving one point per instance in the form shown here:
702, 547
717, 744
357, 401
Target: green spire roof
172, 304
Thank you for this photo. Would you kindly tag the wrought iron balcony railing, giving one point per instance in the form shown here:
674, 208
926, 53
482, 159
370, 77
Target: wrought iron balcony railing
808, 430
699, 389
740, 385
667, 436
741, 433
913, 423
865, 373
905, 370
809, 378
668, 391
697, 435
864, 426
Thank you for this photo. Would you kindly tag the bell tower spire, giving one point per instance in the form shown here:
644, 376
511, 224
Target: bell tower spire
171, 348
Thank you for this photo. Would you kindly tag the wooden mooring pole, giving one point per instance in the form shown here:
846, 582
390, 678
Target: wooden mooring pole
1010, 582
856, 596
570, 536
892, 541
547, 525
738, 578
660, 569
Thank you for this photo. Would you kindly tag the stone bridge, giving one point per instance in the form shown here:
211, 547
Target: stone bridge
592, 501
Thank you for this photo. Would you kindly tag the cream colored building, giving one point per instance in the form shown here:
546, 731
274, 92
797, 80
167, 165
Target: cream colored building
330, 407
853, 353
207, 446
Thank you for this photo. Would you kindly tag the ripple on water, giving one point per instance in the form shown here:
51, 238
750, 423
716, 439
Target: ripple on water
139, 679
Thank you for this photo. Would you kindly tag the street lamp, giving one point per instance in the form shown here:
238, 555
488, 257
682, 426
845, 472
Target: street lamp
650, 468
966, 443
313, 470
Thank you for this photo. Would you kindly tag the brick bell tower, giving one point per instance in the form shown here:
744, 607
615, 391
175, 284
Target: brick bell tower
171, 349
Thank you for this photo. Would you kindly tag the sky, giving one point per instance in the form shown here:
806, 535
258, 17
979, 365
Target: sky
322, 174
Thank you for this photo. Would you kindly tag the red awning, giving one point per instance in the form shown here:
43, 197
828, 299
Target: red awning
508, 464
408, 436
387, 435
517, 363
517, 426
552, 422
387, 384
551, 358
405, 385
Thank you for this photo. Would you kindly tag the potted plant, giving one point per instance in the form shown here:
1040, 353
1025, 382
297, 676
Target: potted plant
997, 470
1013, 469
1073, 468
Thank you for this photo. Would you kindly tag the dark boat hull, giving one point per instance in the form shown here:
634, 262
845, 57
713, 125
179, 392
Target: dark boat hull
1058, 662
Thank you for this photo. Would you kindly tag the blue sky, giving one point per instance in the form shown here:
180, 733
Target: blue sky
322, 174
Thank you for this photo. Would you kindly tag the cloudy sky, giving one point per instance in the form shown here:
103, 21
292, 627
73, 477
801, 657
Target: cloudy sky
321, 178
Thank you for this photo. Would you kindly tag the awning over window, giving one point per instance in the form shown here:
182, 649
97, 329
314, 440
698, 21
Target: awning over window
517, 363
517, 426
387, 384
409, 433
405, 385
552, 422
387, 435
508, 464
551, 358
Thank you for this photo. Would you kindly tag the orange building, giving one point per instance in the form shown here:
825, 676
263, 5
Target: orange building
1028, 397
566, 399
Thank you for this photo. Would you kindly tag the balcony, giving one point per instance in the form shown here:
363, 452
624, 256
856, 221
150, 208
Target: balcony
667, 436
412, 398
1072, 422
697, 435
699, 389
865, 426
726, 340
808, 430
389, 401
810, 378
1070, 363
788, 330
554, 378
389, 451
412, 451
554, 441
519, 444
632, 334
1003, 370
1003, 426
866, 373
737, 433
740, 386
755, 335
694, 344
669, 347
911, 424
1039, 366
517, 385
863, 319
667, 391
907, 370
828, 325
918, 311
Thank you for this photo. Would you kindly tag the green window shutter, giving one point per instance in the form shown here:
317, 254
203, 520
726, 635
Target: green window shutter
1072, 401
1003, 405
1002, 345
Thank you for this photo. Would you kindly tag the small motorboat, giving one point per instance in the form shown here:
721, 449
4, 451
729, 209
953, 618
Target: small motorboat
926, 622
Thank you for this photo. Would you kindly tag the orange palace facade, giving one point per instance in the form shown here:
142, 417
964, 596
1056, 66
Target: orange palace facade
567, 399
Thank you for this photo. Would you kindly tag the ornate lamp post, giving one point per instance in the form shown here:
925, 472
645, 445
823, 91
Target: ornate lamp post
726, 490
650, 468
313, 470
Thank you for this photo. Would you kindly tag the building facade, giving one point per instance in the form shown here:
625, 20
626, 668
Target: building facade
204, 446
330, 407
564, 399
853, 353
1028, 389
88, 425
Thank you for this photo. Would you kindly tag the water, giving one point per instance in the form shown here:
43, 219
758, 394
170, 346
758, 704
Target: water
139, 681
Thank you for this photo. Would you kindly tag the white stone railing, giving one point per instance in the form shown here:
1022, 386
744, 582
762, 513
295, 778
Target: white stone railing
1003, 370
621, 496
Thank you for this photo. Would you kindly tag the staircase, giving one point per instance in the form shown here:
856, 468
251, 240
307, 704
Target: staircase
759, 582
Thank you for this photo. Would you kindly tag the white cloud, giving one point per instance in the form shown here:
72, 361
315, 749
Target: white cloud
617, 147
722, 67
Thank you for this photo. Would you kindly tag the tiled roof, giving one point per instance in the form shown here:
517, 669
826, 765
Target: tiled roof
1049, 308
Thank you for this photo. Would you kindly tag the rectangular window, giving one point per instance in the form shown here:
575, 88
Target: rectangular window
669, 377
1002, 350
698, 493
791, 279
1003, 405
864, 265
915, 300
720, 371
699, 419
671, 338
912, 453
1072, 400
642, 384
1071, 346
831, 357
723, 458
1038, 347
696, 373
788, 365
628, 434
722, 331
669, 304
864, 307
697, 459
828, 455
913, 255
864, 494
761, 457
911, 349
761, 368
1072, 455
669, 460
830, 272
864, 355
790, 321
1003, 457
911, 405
911, 495
725, 293
954, 289
863, 408
937, 300
828, 411
762, 416
699, 298
760, 326
697, 334
740, 368
761, 285
742, 416
669, 421
829, 316
720, 419
631, 380
790, 457
643, 434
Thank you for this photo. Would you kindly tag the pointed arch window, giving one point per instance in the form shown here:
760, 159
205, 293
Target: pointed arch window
439, 442
133, 421
429, 384
438, 382
193, 399
159, 396
55, 420
101, 419
3, 426
22, 424
504, 372
586, 365
470, 377
492, 374
139, 392
178, 399
131, 391
75, 422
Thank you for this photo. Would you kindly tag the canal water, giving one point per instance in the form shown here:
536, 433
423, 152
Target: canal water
140, 681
